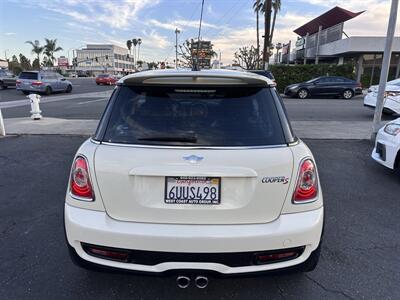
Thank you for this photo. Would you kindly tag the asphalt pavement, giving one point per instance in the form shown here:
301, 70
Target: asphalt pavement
359, 256
80, 85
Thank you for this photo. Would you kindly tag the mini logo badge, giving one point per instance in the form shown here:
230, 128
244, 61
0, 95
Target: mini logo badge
278, 179
193, 159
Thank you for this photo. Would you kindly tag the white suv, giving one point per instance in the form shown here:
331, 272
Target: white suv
194, 170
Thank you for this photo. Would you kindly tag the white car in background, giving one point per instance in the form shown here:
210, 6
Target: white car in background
392, 97
387, 145
194, 170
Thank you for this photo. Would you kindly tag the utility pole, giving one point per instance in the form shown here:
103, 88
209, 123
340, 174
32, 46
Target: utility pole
385, 68
177, 31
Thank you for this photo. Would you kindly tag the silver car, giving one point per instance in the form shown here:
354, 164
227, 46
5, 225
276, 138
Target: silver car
42, 82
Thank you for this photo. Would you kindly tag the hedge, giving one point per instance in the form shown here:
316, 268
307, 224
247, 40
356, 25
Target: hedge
289, 74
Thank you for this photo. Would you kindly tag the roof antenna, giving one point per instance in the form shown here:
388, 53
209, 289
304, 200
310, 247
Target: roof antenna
195, 62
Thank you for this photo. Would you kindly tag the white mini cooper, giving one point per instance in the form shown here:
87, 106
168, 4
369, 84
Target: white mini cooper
194, 170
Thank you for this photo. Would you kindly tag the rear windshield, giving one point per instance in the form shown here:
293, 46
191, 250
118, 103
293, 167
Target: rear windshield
28, 75
184, 116
102, 75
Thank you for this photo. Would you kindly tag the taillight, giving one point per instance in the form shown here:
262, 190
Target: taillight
359, 84
307, 183
37, 83
81, 186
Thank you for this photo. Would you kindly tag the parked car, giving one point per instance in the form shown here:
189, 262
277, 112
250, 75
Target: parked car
265, 73
106, 79
392, 97
387, 145
7, 79
186, 174
42, 82
73, 75
325, 86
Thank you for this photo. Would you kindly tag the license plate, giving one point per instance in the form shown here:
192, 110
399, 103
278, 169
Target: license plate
192, 190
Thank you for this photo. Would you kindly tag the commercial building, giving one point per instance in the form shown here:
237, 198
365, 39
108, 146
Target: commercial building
104, 58
323, 40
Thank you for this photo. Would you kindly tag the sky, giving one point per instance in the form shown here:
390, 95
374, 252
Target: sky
229, 24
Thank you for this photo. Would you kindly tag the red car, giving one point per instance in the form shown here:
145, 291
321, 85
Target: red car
106, 79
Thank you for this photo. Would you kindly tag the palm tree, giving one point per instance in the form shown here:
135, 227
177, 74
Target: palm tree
134, 42
50, 48
276, 5
139, 41
129, 45
267, 30
258, 6
36, 48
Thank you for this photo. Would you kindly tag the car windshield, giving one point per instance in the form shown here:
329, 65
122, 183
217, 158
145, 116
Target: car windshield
28, 75
184, 116
103, 75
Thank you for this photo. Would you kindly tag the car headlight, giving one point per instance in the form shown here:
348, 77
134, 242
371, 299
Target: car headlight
392, 129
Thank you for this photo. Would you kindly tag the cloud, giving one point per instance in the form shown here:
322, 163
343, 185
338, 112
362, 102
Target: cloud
181, 24
117, 15
9, 33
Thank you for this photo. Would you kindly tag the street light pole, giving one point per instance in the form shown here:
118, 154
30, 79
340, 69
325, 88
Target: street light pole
385, 68
177, 31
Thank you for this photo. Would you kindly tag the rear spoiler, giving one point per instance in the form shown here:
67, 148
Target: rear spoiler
194, 78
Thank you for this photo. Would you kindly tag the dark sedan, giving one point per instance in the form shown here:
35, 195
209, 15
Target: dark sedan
325, 86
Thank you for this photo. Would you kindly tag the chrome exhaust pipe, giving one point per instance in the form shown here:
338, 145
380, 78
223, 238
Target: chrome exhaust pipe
183, 282
201, 282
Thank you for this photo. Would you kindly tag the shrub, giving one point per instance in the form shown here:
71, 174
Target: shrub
289, 74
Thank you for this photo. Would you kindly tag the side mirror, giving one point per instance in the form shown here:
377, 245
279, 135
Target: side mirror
63, 79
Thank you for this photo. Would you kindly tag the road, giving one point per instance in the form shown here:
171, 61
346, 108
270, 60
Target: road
360, 249
79, 106
80, 86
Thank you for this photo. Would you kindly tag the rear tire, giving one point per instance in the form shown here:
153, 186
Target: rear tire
69, 89
48, 90
26, 93
97, 83
347, 94
303, 94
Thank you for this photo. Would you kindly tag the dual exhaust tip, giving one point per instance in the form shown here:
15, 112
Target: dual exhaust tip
200, 282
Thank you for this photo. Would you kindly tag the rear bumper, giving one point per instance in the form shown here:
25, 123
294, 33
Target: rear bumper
32, 88
97, 228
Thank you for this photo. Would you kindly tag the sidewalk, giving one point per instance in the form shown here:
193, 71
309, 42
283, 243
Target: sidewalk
347, 130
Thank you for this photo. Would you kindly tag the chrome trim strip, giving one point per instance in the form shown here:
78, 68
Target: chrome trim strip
194, 147
94, 141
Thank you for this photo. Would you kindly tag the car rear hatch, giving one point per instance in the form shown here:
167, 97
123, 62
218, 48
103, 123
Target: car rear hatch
26, 79
194, 155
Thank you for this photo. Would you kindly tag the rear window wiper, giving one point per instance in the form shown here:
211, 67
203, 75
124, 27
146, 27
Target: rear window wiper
177, 138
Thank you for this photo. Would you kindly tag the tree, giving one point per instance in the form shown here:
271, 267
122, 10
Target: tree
247, 57
36, 48
49, 49
267, 30
14, 65
257, 6
185, 54
129, 45
36, 64
134, 42
24, 62
276, 5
